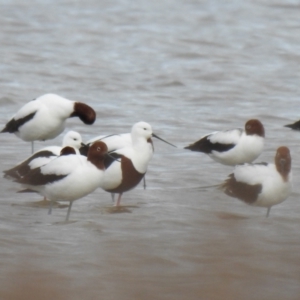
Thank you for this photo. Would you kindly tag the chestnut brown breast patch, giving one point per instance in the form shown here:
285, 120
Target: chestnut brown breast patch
130, 177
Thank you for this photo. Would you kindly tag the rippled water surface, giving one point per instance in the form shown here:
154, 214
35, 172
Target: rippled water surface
187, 68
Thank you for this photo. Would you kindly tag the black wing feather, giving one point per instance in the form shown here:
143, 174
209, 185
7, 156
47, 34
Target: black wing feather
23, 168
294, 126
245, 192
36, 177
14, 125
206, 146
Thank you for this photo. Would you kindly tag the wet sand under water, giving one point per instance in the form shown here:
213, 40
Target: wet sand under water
166, 247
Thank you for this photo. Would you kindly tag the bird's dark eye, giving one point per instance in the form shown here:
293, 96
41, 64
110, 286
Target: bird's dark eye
145, 128
75, 139
98, 149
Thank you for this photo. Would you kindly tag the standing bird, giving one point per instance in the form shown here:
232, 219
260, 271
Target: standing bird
131, 162
262, 184
233, 147
44, 118
68, 177
115, 142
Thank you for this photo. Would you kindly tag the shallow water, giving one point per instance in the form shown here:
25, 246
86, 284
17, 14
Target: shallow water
187, 68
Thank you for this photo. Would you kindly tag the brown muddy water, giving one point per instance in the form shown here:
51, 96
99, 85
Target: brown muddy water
187, 68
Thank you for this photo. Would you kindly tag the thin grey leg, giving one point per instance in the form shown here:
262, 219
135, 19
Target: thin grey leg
113, 197
268, 211
69, 210
50, 207
144, 180
32, 146
119, 199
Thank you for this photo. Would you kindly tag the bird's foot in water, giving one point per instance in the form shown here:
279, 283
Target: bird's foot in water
118, 209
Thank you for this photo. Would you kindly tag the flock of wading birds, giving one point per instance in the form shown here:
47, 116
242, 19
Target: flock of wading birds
117, 163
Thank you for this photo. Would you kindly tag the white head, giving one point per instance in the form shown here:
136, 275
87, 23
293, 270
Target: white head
141, 130
72, 139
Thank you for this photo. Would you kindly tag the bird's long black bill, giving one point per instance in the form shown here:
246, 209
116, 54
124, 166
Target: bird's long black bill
154, 135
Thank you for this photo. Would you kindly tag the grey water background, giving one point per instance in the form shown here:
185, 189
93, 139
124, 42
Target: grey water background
187, 68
